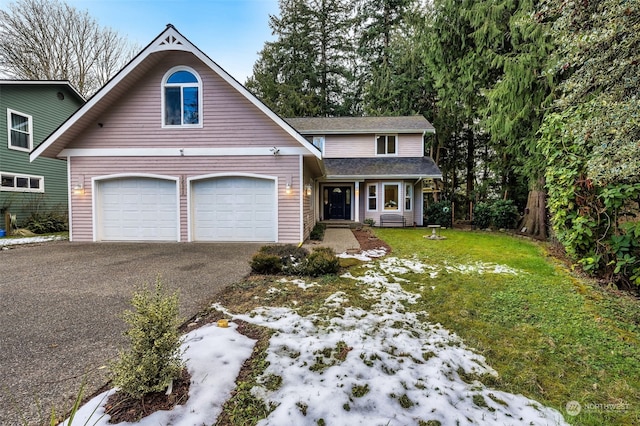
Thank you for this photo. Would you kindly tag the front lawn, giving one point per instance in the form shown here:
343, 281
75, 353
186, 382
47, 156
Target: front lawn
551, 336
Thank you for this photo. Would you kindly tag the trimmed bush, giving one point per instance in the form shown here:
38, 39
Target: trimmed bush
317, 234
276, 259
154, 359
292, 260
265, 263
321, 261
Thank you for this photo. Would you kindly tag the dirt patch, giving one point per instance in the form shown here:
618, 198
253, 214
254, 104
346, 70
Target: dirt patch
123, 408
368, 241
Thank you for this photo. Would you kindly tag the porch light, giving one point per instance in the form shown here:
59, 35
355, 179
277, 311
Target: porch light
287, 188
307, 189
78, 189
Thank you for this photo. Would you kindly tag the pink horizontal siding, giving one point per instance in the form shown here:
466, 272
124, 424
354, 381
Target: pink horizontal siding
228, 118
83, 169
351, 146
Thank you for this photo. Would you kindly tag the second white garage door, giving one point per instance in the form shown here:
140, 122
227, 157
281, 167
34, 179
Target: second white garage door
137, 209
234, 208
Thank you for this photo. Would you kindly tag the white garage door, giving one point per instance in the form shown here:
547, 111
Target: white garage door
137, 209
234, 208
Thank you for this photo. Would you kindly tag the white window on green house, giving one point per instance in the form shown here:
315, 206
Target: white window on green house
391, 193
21, 183
408, 196
386, 145
20, 131
372, 197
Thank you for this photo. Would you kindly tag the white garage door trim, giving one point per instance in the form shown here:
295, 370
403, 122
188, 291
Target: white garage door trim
271, 202
173, 206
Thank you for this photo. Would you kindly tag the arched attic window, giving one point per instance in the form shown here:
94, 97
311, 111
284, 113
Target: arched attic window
181, 98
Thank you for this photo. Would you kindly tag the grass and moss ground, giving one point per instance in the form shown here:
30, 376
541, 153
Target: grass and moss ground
551, 336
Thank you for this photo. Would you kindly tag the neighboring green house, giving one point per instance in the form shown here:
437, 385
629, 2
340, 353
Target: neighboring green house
29, 112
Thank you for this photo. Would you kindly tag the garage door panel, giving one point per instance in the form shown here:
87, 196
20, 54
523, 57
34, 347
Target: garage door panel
137, 209
234, 208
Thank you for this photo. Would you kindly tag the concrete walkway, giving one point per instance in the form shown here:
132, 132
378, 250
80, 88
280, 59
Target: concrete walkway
339, 239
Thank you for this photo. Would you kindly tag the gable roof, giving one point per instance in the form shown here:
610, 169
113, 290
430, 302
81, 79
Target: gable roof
152, 55
63, 83
352, 125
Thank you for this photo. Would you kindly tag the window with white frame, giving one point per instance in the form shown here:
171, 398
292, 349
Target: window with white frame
386, 145
318, 142
391, 193
372, 197
408, 196
181, 98
20, 130
21, 183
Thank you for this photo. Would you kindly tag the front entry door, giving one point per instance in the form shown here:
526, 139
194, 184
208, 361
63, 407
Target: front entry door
339, 203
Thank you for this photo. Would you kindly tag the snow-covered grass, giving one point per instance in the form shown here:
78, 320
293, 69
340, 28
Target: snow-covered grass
343, 364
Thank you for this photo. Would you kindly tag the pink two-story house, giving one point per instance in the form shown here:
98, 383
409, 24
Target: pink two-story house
174, 149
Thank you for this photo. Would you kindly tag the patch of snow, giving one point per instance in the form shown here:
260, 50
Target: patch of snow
382, 366
366, 255
29, 240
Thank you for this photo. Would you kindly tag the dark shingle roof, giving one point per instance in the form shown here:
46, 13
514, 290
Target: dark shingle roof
346, 125
381, 167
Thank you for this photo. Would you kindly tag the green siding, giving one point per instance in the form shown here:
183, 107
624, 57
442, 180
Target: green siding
48, 112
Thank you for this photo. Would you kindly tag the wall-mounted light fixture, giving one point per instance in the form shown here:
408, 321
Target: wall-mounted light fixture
287, 188
308, 188
78, 188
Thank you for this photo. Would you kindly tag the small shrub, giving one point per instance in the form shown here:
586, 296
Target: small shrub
154, 359
369, 221
317, 234
45, 223
293, 260
265, 263
482, 215
439, 214
321, 261
504, 214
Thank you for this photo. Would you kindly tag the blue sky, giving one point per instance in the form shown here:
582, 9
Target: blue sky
231, 32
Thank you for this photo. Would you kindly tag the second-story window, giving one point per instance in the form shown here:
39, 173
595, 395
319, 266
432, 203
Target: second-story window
20, 131
386, 145
182, 98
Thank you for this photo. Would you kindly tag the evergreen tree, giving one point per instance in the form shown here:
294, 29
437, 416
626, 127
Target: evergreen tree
460, 75
516, 44
307, 70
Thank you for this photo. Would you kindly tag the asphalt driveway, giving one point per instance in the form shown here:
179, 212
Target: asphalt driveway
60, 306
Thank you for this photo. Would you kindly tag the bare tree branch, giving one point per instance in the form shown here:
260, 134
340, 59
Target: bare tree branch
51, 40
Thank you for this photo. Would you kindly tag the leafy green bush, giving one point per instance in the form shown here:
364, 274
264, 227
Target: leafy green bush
439, 214
504, 214
317, 234
154, 359
321, 261
275, 259
265, 263
44, 223
293, 260
482, 215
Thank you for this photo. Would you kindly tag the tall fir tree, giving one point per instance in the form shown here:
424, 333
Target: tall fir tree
306, 70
